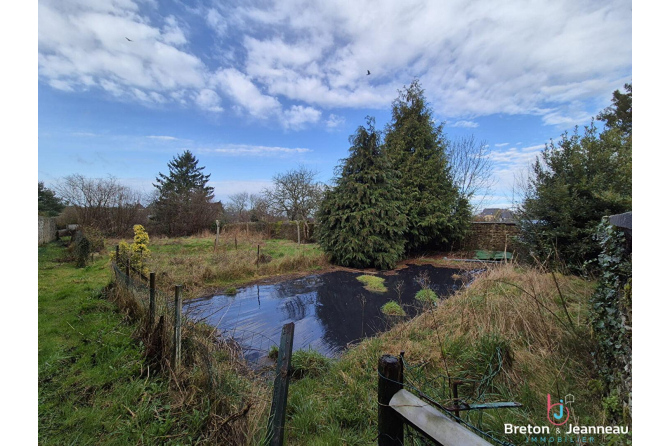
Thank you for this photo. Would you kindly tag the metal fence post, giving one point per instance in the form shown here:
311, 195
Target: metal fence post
390, 424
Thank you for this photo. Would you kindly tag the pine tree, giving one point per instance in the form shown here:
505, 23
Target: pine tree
574, 183
48, 204
362, 218
416, 145
184, 203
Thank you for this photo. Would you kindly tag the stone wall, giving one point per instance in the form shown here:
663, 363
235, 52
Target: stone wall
492, 237
46, 230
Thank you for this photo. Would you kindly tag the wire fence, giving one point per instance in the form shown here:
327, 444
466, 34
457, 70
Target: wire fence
198, 358
441, 391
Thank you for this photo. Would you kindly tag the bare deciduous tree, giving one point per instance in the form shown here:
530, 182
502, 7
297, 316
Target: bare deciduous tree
237, 205
295, 194
259, 209
471, 167
103, 203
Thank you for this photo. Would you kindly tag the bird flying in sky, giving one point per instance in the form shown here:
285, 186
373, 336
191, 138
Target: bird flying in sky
368, 72
131, 41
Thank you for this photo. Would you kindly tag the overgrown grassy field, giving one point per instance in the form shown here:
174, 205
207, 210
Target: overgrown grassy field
98, 386
93, 388
514, 335
193, 262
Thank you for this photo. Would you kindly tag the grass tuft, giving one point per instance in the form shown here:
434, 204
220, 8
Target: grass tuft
373, 283
393, 308
426, 296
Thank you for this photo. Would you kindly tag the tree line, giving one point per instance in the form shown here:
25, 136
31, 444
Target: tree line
406, 189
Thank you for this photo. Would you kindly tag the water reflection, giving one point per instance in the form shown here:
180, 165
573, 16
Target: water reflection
330, 310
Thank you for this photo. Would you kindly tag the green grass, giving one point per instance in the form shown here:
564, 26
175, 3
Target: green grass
193, 263
393, 308
426, 296
92, 386
373, 283
490, 335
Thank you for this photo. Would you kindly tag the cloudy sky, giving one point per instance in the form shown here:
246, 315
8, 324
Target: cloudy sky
256, 88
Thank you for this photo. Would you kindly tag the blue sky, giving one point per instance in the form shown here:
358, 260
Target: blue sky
256, 88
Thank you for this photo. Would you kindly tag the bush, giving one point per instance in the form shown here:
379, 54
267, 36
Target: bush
137, 252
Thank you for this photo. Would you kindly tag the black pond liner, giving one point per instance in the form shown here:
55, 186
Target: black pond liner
331, 311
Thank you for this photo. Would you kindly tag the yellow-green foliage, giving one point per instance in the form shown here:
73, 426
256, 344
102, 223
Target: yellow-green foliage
373, 283
140, 240
138, 252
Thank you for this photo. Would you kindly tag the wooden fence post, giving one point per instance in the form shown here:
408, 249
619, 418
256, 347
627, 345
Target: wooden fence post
216, 242
280, 390
390, 424
258, 257
128, 273
152, 299
297, 224
176, 350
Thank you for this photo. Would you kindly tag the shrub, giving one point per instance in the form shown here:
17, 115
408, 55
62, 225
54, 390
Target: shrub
137, 252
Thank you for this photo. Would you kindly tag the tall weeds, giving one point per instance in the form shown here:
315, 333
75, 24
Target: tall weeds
221, 401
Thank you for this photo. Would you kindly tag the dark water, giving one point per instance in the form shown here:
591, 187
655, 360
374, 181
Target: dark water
330, 310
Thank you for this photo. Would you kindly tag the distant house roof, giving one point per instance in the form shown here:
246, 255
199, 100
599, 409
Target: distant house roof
497, 213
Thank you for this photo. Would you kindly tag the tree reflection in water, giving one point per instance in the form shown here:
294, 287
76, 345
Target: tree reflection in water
330, 310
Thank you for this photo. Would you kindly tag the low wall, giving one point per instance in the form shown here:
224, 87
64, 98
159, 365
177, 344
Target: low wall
492, 236
46, 230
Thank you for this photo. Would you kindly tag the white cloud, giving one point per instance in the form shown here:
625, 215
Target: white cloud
502, 144
472, 59
84, 44
251, 150
208, 100
172, 32
298, 116
288, 59
334, 121
163, 138
465, 124
244, 93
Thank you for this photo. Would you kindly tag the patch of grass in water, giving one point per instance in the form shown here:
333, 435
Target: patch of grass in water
392, 308
373, 283
426, 295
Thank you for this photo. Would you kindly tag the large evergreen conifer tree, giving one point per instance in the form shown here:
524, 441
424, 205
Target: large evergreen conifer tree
184, 203
436, 215
362, 218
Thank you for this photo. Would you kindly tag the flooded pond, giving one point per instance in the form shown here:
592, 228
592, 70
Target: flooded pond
330, 310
